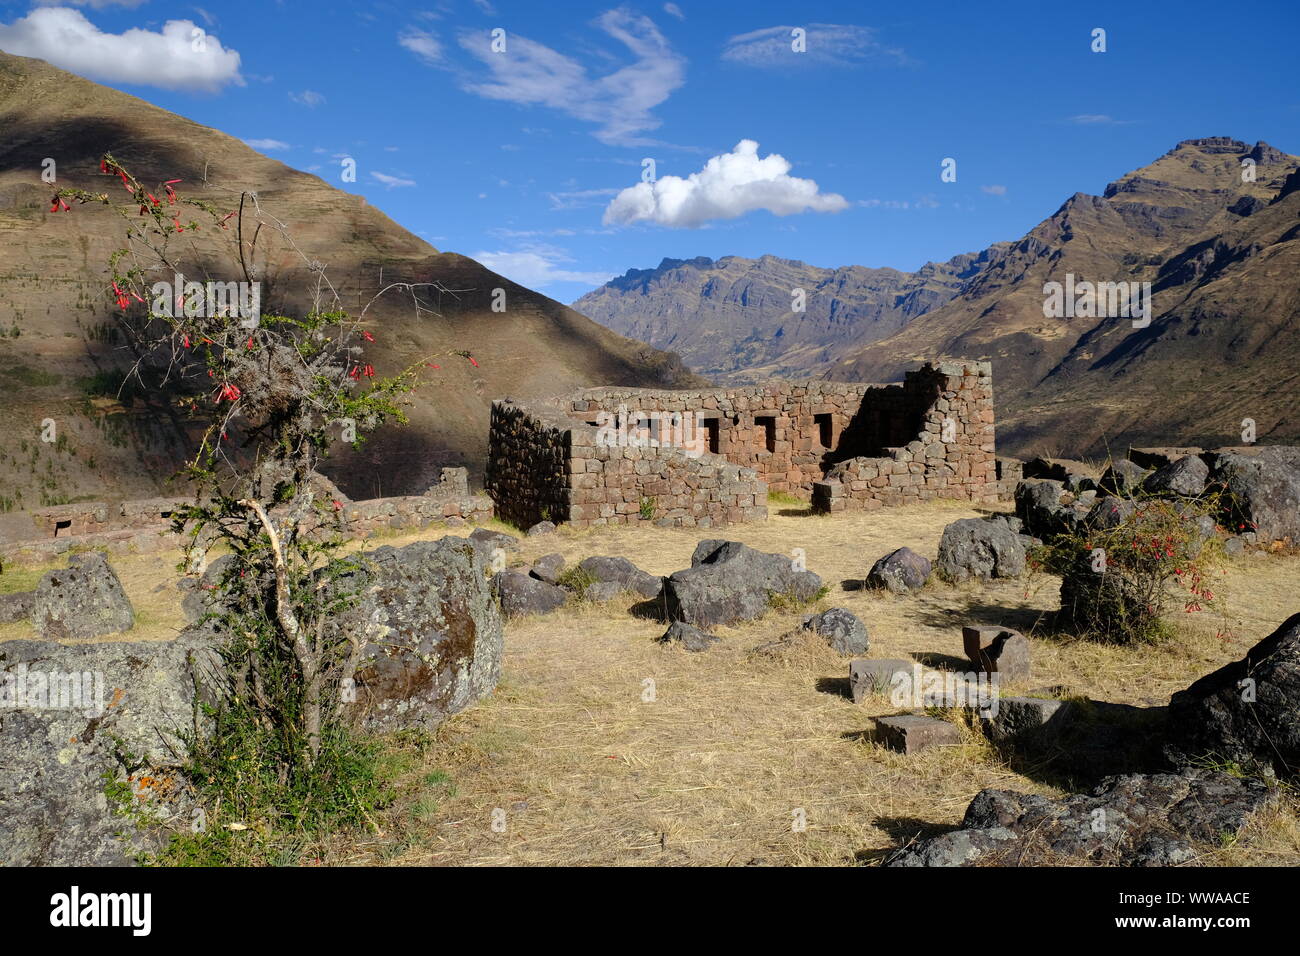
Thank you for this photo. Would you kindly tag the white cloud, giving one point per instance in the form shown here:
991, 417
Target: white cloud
392, 182
308, 98
673, 10
1097, 119
486, 7
994, 190
175, 59
535, 267
266, 144
422, 43
825, 44
728, 186
619, 103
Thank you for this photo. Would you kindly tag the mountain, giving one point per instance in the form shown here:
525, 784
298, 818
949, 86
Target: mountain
1222, 255
733, 320
61, 358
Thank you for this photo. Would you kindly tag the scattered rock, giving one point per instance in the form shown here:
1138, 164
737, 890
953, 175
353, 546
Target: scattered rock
899, 571
522, 594
729, 581
548, 567
689, 636
542, 527
841, 629
1038, 505
84, 600
17, 606
598, 592
1018, 718
868, 677
980, 548
1247, 711
486, 541
624, 573
1234, 546
913, 733
1110, 512
1263, 491
1133, 820
1123, 477
997, 650
1185, 477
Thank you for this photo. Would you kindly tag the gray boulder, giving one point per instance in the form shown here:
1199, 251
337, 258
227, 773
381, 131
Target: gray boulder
522, 594
432, 631
729, 581
899, 571
73, 713
1123, 477
1185, 478
598, 592
1130, 820
1110, 512
1247, 711
841, 629
624, 573
689, 636
542, 527
84, 600
1263, 491
548, 567
980, 548
16, 606
487, 541
1039, 507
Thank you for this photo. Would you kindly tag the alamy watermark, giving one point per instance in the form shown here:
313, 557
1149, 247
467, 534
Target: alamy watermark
624, 429
1098, 300
23, 689
930, 688
211, 300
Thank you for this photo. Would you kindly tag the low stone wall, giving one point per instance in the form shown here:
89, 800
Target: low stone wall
144, 525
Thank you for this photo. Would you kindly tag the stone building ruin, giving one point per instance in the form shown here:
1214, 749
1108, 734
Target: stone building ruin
708, 458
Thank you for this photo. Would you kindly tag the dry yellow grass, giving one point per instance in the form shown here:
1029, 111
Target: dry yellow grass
715, 768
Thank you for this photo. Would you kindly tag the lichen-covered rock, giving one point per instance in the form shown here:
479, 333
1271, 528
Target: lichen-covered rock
729, 581
899, 571
432, 631
542, 527
486, 541
1123, 477
1040, 507
1134, 820
83, 600
70, 714
841, 629
16, 606
1247, 711
982, 548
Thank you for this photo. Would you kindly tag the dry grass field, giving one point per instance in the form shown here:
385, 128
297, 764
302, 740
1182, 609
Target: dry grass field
569, 763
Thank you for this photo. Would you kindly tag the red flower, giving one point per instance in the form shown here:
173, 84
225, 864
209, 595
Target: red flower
367, 336
355, 372
369, 371
471, 360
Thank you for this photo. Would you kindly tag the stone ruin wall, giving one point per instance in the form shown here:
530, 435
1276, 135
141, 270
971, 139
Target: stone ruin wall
850, 446
144, 525
947, 451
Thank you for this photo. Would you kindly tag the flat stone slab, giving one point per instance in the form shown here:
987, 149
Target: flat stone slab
1017, 716
913, 733
867, 677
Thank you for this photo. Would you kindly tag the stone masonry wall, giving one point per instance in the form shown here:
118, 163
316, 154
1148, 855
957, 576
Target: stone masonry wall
950, 456
546, 465
704, 458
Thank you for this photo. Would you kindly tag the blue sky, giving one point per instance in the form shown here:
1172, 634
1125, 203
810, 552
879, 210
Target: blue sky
520, 158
